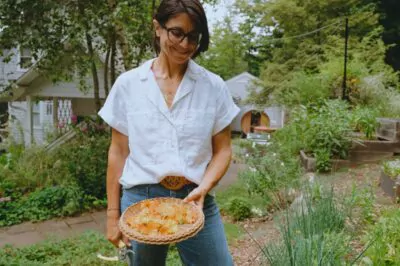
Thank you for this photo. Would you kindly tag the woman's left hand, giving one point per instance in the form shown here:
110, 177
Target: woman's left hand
197, 197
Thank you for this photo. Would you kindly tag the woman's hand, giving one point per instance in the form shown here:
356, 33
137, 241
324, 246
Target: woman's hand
197, 197
114, 235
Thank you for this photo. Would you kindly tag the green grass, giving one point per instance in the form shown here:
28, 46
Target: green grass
232, 231
75, 251
80, 251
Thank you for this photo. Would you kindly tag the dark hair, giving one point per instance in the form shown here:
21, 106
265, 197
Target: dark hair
170, 8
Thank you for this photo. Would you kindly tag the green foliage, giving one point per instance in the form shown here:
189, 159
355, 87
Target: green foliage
328, 131
232, 231
312, 234
392, 168
86, 163
361, 201
385, 238
322, 130
308, 69
75, 251
42, 204
364, 120
173, 257
270, 172
323, 158
80, 250
226, 52
225, 198
239, 208
45, 184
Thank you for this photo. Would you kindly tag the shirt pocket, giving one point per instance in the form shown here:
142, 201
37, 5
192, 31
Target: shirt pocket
198, 124
145, 139
197, 134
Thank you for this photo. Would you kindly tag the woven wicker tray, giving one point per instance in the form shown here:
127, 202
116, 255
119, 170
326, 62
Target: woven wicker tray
184, 232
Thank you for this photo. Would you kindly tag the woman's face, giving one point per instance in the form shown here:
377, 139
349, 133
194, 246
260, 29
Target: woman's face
178, 38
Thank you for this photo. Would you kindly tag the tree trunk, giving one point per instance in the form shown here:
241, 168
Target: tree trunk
113, 57
93, 67
96, 87
153, 9
106, 62
121, 38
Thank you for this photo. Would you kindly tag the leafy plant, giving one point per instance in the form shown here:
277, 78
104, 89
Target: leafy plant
45, 184
239, 209
323, 160
361, 201
270, 172
328, 128
42, 204
392, 168
385, 235
364, 120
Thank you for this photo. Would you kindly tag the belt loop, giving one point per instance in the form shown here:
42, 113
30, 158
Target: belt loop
148, 191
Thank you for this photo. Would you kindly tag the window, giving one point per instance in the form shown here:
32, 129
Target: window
25, 58
36, 114
49, 108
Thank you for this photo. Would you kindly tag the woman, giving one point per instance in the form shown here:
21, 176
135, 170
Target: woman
171, 134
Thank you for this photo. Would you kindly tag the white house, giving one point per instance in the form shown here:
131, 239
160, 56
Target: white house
270, 117
36, 105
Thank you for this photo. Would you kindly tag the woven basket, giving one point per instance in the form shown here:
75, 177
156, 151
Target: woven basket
184, 232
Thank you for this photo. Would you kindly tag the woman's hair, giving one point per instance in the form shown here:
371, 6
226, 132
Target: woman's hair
171, 8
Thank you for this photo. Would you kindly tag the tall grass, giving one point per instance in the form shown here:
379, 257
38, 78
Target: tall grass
312, 233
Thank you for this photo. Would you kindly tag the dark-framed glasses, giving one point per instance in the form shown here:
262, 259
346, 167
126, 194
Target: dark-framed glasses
177, 35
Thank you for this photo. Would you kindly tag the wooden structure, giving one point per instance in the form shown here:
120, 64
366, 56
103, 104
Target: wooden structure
252, 119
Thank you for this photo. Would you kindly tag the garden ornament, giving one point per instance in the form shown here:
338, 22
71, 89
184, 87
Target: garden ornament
124, 254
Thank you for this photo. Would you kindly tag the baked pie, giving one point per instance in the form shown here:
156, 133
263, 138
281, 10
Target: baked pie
161, 217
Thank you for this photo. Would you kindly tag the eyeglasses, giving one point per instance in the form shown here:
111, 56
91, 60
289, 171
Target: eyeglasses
177, 35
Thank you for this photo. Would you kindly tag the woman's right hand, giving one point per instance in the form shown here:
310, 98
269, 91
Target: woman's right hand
114, 235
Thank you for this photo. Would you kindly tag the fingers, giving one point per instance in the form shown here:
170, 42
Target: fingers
115, 239
126, 241
194, 195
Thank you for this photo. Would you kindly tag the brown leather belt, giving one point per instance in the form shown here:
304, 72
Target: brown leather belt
175, 182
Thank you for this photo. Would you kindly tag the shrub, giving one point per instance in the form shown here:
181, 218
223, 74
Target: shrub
42, 204
271, 172
321, 129
239, 209
329, 129
45, 184
85, 160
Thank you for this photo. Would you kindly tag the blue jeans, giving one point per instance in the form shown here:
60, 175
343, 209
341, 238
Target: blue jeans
209, 247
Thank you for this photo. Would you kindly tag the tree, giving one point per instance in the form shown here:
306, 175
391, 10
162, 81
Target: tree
73, 37
390, 20
300, 36
226, 52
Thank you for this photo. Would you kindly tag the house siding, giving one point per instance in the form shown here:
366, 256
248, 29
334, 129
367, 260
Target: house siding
10, 70
43, 122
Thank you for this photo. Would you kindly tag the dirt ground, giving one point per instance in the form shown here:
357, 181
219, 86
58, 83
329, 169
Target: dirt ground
257, 233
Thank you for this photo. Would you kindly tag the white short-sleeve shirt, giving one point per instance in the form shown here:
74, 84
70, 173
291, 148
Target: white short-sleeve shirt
163, 141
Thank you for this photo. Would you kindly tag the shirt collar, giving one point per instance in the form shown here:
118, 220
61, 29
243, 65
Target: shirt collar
193, 70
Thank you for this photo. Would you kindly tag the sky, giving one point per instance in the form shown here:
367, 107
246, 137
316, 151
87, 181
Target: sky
217, 13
